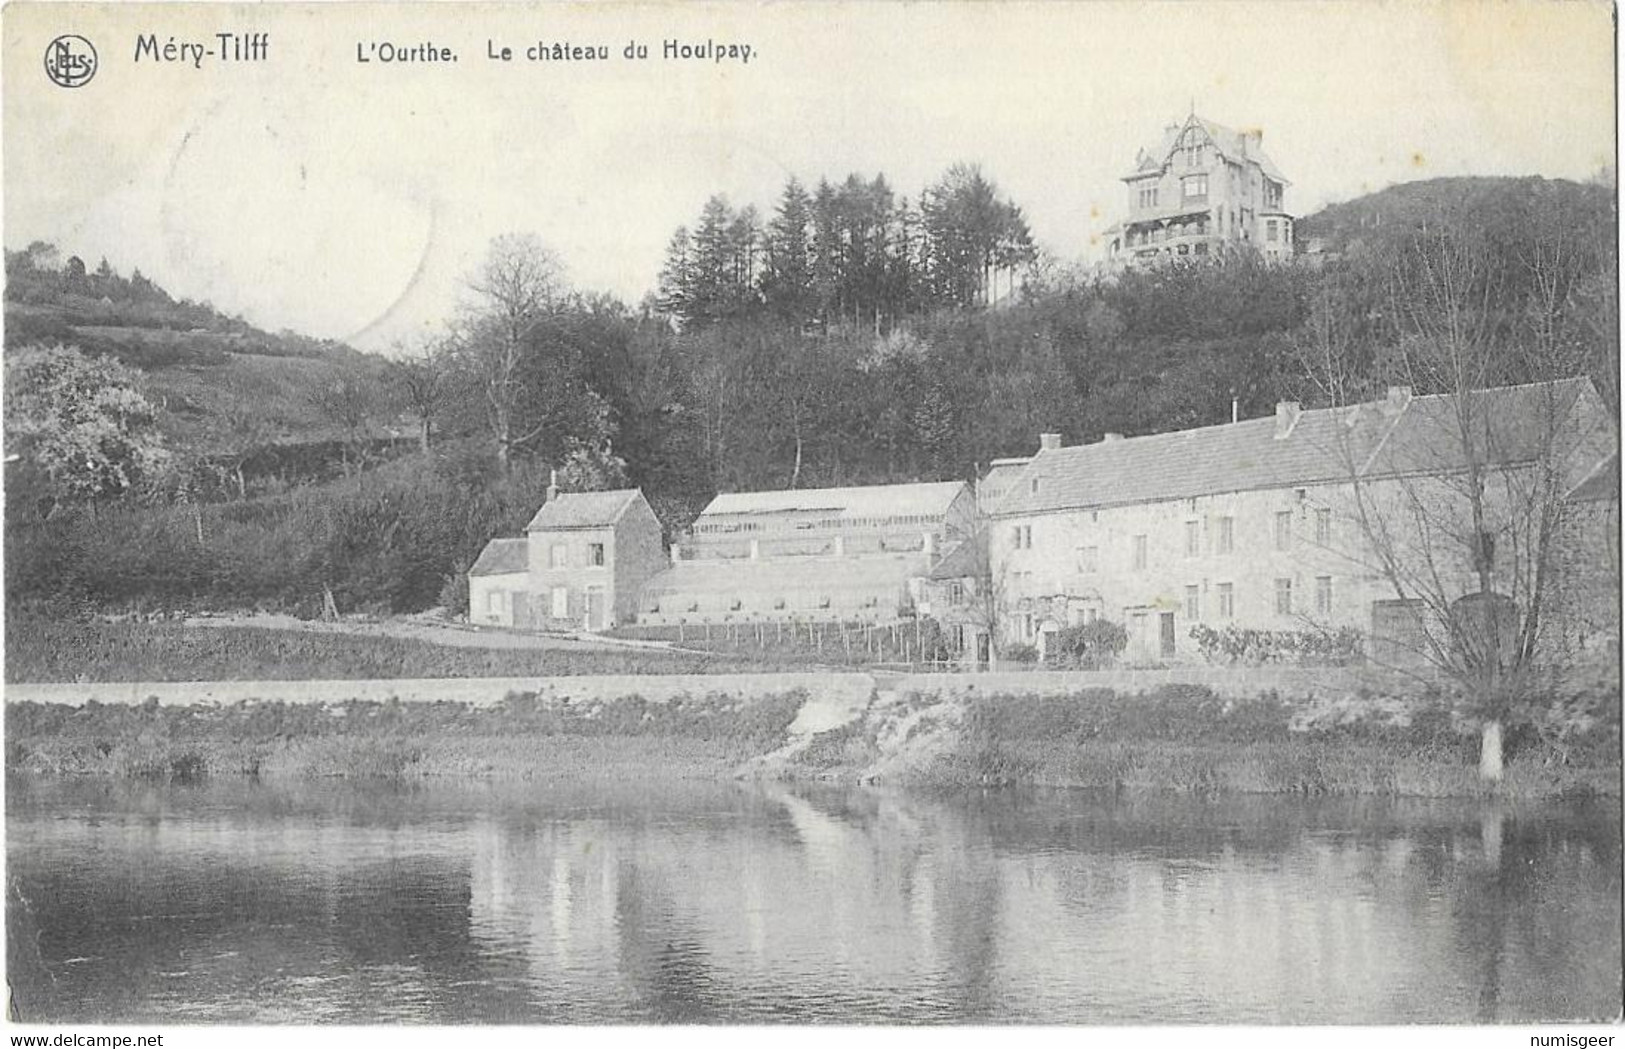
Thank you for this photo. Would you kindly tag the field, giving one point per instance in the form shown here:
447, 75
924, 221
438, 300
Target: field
44, 650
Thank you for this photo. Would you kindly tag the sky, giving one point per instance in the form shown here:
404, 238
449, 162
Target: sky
353, 200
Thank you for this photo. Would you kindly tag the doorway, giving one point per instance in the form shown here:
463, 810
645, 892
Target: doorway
597, 609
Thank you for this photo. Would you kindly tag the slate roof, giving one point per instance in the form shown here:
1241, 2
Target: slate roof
1380, 438
886, 500
968, 560
1601, 485
1229, 142
583, 509
503, 557
997, 482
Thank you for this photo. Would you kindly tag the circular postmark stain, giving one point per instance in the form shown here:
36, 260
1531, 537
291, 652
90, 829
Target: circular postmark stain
70, 60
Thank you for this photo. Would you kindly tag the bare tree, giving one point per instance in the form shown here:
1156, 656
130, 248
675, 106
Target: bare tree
517, 287
1461, 500
348, 403
423, 382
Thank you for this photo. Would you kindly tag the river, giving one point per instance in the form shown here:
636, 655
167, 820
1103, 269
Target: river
542, 903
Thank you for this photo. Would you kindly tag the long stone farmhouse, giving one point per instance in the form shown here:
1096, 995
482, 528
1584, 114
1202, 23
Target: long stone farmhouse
1252, 524
1258, 523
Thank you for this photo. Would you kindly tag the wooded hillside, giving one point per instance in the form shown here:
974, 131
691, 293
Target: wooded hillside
849, 334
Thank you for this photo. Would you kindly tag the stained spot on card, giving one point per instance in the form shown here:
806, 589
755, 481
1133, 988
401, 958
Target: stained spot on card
1418, 160
258, 207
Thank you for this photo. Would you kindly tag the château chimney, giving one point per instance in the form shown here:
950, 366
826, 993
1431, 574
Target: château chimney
553, 486
1048, 442
1398, 397
1109, 438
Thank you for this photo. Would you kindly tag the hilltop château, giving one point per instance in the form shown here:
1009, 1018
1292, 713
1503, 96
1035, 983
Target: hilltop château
1203, 190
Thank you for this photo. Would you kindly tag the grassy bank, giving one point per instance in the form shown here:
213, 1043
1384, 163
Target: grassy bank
706, 735
1186, 739
43, 650
1176, 738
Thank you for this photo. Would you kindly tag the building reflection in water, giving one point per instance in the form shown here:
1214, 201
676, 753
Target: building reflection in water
733, 902
1086, 912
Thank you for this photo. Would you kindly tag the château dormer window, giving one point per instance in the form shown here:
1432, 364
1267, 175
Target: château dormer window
1193, 143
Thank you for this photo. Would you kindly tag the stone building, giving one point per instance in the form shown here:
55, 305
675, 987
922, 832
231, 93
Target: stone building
810, 554
498, 581
1258, 523
1202, 190
585, 559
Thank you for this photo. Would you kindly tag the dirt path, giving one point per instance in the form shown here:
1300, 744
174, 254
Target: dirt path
826, 708
452, 634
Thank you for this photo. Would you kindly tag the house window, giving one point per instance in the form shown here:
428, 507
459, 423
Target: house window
1148, 197
1035, 485
1088, 559
555, 556
1269, 229
1024, 537
1323, 526
1283, 530
1139, 551
493, 601
1227, 601
956, 594
1193, 603
561, 602
1227, 535
1195, 187
595, 554
1193, 538
1090, 615
1283, 597
1323, 594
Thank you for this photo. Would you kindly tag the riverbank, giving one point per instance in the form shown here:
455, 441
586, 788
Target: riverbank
1188, 739
1172, 738
525, 735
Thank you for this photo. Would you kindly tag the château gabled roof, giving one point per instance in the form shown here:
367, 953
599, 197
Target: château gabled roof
1232, 144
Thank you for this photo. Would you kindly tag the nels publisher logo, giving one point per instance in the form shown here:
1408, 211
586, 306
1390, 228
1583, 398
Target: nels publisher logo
70, 61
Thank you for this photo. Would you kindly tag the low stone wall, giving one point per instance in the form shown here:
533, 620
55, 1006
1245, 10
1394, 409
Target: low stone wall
476, 692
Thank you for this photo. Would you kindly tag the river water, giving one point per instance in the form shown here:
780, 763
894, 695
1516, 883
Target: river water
738, 903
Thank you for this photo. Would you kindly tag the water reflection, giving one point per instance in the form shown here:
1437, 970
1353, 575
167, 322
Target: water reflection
735, 903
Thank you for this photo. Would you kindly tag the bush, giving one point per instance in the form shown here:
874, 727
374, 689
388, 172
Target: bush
1019, 653
1090, 646
1232, 645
